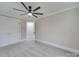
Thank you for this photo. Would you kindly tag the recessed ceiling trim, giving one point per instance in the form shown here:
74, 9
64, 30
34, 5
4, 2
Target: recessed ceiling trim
10, 16
54, 13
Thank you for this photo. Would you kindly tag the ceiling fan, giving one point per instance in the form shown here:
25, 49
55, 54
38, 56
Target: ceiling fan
29, 10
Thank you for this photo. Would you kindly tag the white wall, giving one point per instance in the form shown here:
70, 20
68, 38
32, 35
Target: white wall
61, 29
9, 31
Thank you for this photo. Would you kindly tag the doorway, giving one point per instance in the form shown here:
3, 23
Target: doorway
30, 30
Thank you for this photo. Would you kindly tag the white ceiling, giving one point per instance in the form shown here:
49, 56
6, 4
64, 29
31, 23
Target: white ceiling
6, 8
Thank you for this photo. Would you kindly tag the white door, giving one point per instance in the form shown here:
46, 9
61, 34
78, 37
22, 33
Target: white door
30, 31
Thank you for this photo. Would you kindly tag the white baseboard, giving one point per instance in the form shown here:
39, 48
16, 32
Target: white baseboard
4, 45
15, 42
19, 41
59, 46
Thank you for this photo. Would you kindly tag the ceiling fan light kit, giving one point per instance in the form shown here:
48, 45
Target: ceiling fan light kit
29, 14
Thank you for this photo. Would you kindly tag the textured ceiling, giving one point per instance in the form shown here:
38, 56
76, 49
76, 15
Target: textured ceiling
6, 8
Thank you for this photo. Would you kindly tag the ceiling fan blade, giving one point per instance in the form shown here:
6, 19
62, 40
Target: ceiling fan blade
22, 14
24, 6
18, 10
35, 16
36, 9
38, 13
